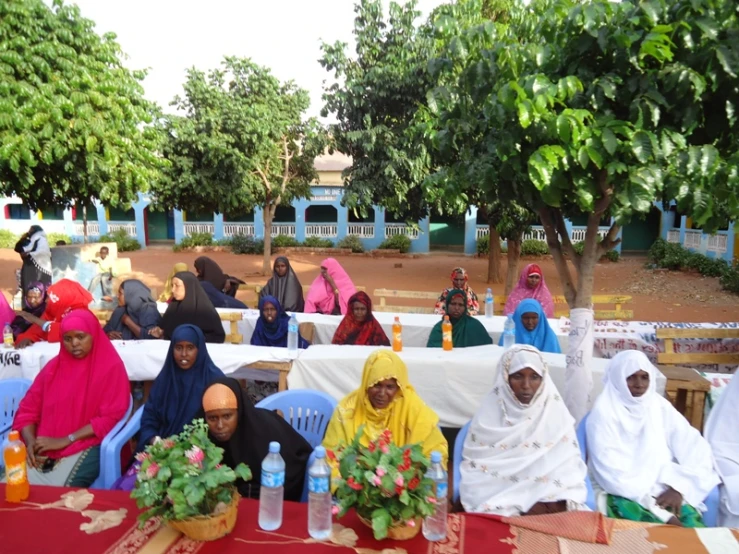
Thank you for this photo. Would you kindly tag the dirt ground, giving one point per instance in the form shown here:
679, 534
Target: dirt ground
657, 295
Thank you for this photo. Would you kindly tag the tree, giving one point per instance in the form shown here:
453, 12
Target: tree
603, 109
241, 144
73, 120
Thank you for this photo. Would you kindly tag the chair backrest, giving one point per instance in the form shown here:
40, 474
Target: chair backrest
582, 437
12, 392
307, 330
457, 460
103, 477
307, 411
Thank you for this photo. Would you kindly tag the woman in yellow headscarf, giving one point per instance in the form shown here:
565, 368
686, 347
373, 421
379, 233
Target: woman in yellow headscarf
385, 400
167, 294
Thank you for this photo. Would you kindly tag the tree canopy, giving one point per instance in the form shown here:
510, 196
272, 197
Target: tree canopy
74, 124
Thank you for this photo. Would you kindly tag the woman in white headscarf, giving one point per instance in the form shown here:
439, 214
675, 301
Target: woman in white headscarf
521, 455
722, 433
652, 465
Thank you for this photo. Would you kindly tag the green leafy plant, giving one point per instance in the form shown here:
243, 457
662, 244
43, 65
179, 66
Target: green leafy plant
612, 256
7, 239
284, 241
244, 244
122, 240
195, 239
353, 242
483, 245
182, 476
397, 242
318, 242
533, 247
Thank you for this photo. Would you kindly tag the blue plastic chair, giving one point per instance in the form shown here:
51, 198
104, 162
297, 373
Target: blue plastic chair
308, 411
710, 516
103, 477
12, 392
111, 453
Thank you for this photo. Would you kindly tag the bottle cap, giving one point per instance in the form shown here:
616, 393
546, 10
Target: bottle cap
14, 436
319, 452
446, 318
274, 447
435, 457
490, 290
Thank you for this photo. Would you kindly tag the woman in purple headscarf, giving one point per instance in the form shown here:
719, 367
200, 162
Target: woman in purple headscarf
34, 303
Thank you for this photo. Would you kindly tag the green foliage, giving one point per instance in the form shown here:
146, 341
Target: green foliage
533, 247
397, 242
612, 256
674, 257
244, 244
182, 476
318, 242
193, 240
353, 242
121, 238
53, 238
384, 483
7, 239
284, 241
74, 123
483, 245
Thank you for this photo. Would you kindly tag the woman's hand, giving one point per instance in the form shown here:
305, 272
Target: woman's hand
30, 452
115, 335
24, 343
156, 332
671, 500
46, 444
674, 521
331, 283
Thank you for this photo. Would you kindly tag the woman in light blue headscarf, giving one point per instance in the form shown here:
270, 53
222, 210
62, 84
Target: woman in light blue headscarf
533, 328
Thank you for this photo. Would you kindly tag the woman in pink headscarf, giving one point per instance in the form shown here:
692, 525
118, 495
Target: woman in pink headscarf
531, 285
75, 401
330, 291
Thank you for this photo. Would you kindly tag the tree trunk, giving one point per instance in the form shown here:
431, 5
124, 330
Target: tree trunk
84, 223
495, 275
269, 213
514, 255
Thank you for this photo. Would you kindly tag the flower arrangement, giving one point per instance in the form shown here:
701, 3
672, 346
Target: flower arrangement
385, 484
181, 477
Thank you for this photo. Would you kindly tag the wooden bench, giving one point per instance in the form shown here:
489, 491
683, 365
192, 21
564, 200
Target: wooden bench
382, 294
257, 288
669, 356
561, 308
687, 390
234, 337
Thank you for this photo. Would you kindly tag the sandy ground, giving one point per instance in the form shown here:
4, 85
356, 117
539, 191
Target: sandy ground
657, 295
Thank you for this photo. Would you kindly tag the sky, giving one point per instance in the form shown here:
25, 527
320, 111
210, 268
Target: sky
169, 36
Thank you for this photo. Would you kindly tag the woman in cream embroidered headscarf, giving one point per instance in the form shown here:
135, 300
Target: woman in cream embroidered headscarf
521, 455
385, 400
166, 296
652, 465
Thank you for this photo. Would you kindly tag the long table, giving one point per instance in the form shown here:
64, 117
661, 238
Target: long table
452, 383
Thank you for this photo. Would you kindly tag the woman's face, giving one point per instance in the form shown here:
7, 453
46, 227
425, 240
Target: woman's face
281, 268
222, 423
638, 383
77, 343
33, 298
324, 271
121, 296
456, 307
458, 280
524, 384
530, 320
532, 281
382, 393
178, 289
185, 354
269, 312
359, 311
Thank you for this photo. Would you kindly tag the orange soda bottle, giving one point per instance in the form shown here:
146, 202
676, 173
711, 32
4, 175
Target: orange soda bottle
446, 333
16, 489
397, 335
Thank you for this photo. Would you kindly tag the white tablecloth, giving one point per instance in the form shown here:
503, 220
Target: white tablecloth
452, 383
144, 359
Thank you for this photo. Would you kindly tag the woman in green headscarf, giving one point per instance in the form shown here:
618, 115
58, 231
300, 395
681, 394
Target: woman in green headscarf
466, 330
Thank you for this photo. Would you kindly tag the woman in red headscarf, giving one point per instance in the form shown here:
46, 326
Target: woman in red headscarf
459, 282
75, 401
531, 285
62, 297
359, 326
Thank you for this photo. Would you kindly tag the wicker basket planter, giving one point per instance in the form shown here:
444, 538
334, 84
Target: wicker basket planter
398, 531
212, 527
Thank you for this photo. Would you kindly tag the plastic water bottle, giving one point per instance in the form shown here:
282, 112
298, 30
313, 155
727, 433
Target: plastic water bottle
272, 489
8, 340
489, 303
292, 337
509, 332
434, 526
319, 496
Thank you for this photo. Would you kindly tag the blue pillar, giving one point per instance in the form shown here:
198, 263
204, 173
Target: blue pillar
217, 226
379, 227
568, 227
101, 218
620, 237
422, 243
342, 219
470, 231
258, 223
68, 223
683, 226
139, 208
300, 207
179, 226
730, 238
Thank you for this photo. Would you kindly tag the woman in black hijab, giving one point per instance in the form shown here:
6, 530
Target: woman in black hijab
190, 304
136, 314
244, 432
285, 286
210, 271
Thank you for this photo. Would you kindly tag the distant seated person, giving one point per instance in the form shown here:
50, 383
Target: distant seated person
105, 274
648, 463
210, 271
533, 328
62, 297
459, 282
61, 243
531, 285
34, 303
136, 314
330, 292
285, 286
166, 295
271, 328
244, 432
73, 403
221, 299
502, 473
385, 400
191, 305
466, 330
359, 325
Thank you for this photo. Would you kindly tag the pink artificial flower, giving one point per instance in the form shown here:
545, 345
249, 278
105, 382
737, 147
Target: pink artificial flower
411, 523
384, 449
431, 499
195, 455
168, 443
380, 471
399, 481
152, 470
334, 509
141, 456
376, 481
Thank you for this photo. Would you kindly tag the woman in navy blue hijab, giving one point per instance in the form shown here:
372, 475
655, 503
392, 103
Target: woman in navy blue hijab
271, 327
